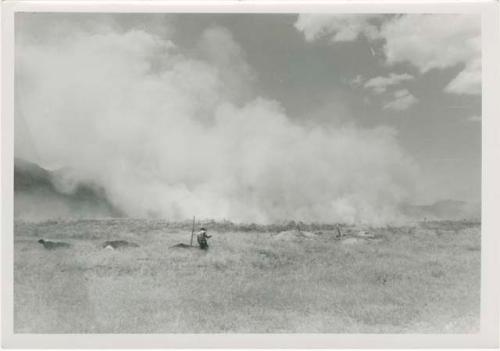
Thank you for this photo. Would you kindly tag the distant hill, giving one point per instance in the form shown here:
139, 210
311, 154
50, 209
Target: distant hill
37, 196
40, 194
444, 209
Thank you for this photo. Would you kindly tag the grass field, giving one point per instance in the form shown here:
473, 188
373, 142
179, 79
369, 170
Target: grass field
423, 278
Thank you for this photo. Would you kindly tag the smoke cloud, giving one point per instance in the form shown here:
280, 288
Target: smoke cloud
175, 132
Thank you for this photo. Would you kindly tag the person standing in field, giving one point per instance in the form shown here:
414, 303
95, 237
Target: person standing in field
202, 237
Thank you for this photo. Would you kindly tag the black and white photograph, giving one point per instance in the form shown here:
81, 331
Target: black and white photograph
232, 173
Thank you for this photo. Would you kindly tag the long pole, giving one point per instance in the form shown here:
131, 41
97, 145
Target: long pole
339, 233
192, 232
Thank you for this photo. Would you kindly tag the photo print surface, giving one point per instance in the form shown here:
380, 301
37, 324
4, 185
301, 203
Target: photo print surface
247, 173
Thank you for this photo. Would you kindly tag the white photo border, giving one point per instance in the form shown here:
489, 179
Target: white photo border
490, 248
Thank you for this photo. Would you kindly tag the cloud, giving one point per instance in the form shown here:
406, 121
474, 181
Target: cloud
467, 81
475, 118
356, 81
337, 27
423, 41
156, 125
417, 39
403, 99
380, 84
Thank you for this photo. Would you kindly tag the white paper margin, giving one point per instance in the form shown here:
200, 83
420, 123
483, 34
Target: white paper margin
490, 248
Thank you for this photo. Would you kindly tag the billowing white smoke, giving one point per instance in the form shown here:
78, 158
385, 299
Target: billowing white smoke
174, 133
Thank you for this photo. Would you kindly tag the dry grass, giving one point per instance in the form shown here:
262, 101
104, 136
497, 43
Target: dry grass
423, 278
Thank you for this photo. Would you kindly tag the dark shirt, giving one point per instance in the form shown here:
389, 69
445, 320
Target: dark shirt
203, 236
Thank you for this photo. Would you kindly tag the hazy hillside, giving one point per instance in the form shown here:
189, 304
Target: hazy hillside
37, 196
444, 209
42, 194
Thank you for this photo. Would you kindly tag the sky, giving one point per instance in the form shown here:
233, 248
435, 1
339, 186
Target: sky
258, 117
